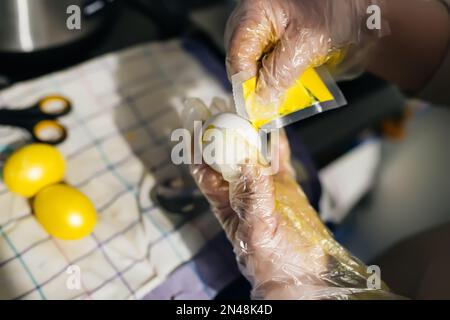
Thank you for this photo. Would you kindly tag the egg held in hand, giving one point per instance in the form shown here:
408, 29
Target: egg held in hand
32, 168
229, 141
64, 212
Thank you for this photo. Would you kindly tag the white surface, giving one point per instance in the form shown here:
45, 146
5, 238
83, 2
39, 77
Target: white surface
412, 189
125, 107
347, 179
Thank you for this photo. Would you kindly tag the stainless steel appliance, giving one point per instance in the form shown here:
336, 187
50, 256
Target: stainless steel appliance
37, 25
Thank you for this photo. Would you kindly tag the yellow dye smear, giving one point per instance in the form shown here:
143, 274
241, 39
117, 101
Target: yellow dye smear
304, 230
294, 206
294, 209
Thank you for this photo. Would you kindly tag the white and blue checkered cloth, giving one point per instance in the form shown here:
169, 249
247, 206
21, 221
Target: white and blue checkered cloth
125, 106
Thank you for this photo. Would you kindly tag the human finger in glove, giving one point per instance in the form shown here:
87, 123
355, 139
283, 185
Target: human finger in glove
278, 40
281, 245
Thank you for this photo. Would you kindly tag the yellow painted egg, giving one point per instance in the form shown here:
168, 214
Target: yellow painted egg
65, 212
32, 168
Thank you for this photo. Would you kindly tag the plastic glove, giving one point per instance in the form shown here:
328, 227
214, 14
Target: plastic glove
278, 40
281, 245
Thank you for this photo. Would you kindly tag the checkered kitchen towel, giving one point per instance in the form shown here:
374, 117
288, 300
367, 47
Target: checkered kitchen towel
125, 107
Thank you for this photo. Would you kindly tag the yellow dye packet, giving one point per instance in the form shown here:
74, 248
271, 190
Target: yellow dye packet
313, 93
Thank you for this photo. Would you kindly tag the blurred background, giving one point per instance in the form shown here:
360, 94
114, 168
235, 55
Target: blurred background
377, 169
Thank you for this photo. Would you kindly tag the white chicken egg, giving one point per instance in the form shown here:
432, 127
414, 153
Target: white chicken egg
229, 140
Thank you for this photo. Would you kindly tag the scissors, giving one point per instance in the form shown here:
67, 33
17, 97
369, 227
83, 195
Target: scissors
179, 197
40, 119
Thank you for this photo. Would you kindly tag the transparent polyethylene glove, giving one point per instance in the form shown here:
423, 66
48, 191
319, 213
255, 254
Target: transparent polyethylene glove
281, 245
278, 40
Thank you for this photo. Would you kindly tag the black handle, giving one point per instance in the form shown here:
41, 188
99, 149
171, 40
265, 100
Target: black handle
17, 118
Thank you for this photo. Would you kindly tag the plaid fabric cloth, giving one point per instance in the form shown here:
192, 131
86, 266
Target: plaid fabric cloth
125, 107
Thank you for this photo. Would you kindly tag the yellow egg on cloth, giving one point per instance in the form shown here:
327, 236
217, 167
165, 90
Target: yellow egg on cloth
32, 168
65, 212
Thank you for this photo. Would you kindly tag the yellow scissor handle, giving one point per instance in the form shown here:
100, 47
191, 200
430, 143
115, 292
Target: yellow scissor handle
55, 105
49, 131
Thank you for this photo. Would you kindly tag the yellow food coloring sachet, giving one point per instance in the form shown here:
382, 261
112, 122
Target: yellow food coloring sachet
314, 92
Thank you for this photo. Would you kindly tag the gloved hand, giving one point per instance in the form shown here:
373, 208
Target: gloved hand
278, 40
281, 245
